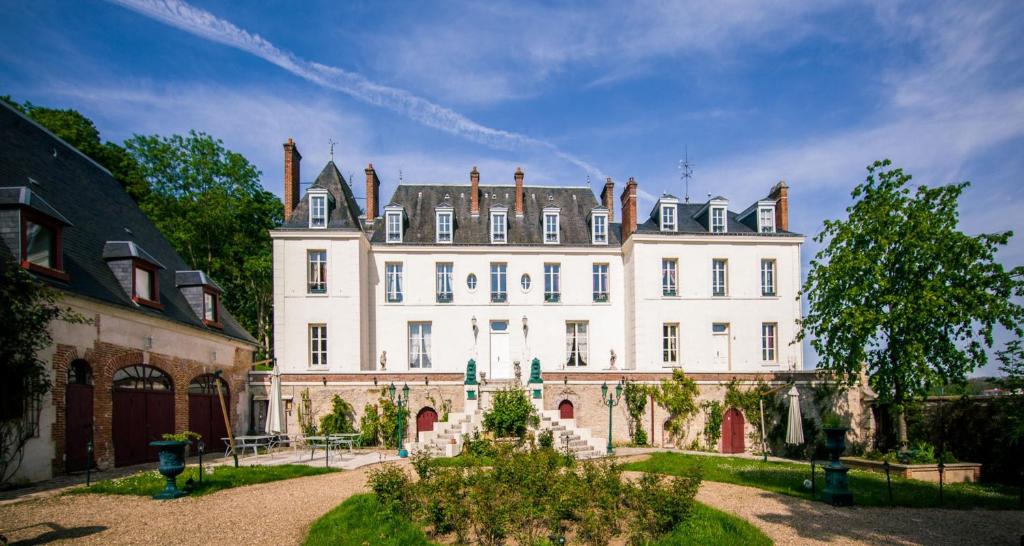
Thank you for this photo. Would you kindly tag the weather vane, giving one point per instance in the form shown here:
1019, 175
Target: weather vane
588, 180
332, 143
685, 173
400, 179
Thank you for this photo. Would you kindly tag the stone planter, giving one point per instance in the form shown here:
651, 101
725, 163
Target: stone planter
952, 472
837, 484
172, 463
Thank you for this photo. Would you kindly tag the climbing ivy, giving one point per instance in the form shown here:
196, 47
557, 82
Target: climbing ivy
713, 413
678, 396
636, 401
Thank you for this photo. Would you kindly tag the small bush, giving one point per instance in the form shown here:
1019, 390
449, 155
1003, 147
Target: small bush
546, 439
341, 418
510, 414
657, 505
392, 487
478, 446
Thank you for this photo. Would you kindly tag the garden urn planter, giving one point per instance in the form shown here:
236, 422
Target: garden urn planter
837, 484
172, 463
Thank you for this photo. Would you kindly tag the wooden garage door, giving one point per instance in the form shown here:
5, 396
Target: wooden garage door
204, 413
78, 417
143, 412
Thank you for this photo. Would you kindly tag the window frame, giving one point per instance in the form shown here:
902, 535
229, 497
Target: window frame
393, 281
552, 282
724, 293
388, 231
557, 216
673, 290
713, 222
600, 271
439, 295
663, 222
770, 226
602, 219
499, 271
214, 295
422, 360
310, 289
581, 360
773, 290
321, 350
669, 344
29, 216
770, 342
314, 198
503, 215
451, 227
154, 284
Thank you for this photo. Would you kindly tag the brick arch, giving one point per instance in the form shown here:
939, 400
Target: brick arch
106, 359
62, 359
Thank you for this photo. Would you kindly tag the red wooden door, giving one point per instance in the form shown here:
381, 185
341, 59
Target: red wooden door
733, 432
425, 420
140, 417
78, 426
206, 418
565, 410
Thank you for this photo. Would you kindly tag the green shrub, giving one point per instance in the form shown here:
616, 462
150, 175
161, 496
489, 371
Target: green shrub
478, 446
636, 401
392, 487
546, 439
510, 414
713, 415
369, 426
657, 505
340, 420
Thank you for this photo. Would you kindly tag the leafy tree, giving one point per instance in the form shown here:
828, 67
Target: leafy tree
900, 291
510, 414
1011, 359
208, 201
339, 421
679, 398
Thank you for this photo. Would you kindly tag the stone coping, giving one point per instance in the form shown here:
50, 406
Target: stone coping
952, 472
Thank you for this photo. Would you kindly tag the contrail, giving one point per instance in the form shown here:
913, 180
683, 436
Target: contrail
202, 23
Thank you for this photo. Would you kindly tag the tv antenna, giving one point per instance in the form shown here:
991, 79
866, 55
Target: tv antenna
588, 181
686, 173
332, 143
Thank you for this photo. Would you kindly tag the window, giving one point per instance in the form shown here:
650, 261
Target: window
669, 277
600, 229
145, 287
444, 227
576, 344
766, 220
211, 310
668, 218
767, 277
394, 227
40, 245
600, 283
444, 283
719, 271
550, 228
717, 219
499, 287
670, 344
318, 211
317, 279
393, 282
552, 290
419, 344
317, 344
768, 338
525, 282
498, 227
471, 282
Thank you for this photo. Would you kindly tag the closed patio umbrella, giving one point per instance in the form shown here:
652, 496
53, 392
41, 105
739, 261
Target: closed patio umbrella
795, 425
274, 409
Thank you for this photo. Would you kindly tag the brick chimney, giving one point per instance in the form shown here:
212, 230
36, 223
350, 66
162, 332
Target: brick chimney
608, 198
292, 157
372, 194
474, 192
628, 209
519, 191
780, 193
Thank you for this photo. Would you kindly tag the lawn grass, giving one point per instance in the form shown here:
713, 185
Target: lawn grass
710, 527
220, 477
869, 488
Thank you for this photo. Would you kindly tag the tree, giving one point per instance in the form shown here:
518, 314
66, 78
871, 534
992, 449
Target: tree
208, 201
679, 398
901, 292
1011, 359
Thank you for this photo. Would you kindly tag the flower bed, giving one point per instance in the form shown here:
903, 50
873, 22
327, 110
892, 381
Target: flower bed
953, 472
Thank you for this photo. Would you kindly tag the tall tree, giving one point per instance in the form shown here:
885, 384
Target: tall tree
208, 201
900, 291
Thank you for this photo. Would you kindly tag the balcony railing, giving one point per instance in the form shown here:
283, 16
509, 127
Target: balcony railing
444, 297
669, 292
552, 297
601, 297
499, 297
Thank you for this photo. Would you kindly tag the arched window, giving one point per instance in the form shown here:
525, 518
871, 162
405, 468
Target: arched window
206, 384
79, 373
142, 377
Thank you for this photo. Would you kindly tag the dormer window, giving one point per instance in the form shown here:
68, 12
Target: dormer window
35, 229
499, 226
444, 226
145, 284
766, 220
718, 219
136, 271
202, 295
211, 308
393, 219
551, 231
668, 217
318, 210
599, 228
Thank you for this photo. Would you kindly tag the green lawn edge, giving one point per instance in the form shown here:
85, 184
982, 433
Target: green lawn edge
147, 484
869, 488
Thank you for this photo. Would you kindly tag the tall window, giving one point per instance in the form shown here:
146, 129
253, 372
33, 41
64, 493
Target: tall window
550, 227
394, 227
719, 277
498, 227
317, 344
393, 282
669, 277
211, 312
768, 341
600, 229
317, 281
717, 219
444, 227
419, 344
600, 282
670, 344
40, 245
317, 211
143, 283
766, 220
767, 277
444, 283
552, 282
577, 345
668, 217
499, 282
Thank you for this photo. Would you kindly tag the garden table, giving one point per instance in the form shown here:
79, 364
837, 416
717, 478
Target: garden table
253, 442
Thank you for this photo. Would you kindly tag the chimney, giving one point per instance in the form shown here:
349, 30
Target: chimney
519, 191
372, 194
608, 198
474, 192
780, 193
292, 157
628, 209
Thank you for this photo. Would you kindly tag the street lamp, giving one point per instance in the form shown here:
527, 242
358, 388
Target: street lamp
401, 401
611, 401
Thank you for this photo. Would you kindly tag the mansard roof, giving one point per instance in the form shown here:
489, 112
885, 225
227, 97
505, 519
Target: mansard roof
343, 213
689, 222
420, 200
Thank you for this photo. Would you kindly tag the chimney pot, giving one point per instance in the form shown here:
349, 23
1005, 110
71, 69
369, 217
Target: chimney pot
519, 191
628, 198
372, 193
474, 192
292, 158
608, 198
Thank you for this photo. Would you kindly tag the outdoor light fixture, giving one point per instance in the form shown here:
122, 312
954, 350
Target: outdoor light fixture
476, 330
324, 379
565, 379
526, 325
391, 390
426, 379
400, 401
611, 401
147, 343
375, 381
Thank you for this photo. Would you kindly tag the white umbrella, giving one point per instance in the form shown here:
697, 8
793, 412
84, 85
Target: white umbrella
795, 425
274, 411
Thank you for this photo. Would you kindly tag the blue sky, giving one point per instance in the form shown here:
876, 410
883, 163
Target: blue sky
809, 91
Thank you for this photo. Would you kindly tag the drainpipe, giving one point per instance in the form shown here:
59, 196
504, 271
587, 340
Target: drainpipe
652, 419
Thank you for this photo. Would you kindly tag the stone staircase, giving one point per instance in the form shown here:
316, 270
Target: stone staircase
446, 438
570, 438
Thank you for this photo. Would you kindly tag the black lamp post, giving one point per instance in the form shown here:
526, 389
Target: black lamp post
400, 401
611, 401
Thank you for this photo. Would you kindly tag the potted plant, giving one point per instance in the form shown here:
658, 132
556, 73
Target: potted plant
835, 434
172, 461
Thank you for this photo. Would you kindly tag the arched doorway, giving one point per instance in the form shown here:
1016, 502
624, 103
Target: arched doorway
78, 426
565, 410
425, 420
204, 412
143, 412
733, 432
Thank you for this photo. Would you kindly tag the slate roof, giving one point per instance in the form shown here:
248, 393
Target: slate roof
689, 224
419, 201
343, 213
99, 211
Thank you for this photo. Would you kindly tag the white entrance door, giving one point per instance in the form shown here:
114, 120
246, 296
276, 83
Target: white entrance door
720, 346
501, 364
